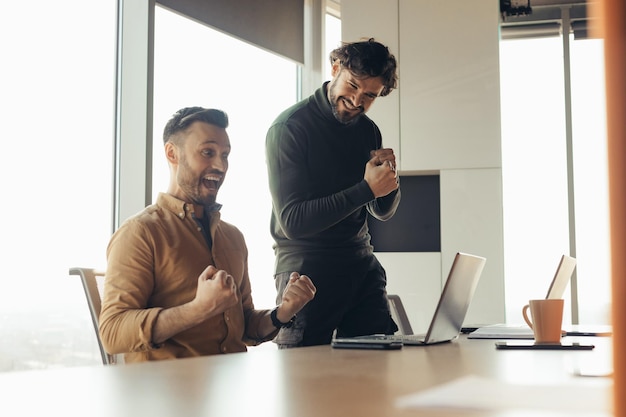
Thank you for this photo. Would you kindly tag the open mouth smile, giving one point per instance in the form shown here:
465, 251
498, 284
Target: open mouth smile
212, 182
348, 105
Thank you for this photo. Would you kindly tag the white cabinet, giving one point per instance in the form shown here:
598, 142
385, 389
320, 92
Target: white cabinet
450, 95
417, 279
471, 221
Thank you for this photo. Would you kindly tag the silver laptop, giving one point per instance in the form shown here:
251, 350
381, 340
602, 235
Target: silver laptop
452, 307
559, 282
563, 274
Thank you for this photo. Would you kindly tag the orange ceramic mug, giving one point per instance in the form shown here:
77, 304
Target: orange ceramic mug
547, 319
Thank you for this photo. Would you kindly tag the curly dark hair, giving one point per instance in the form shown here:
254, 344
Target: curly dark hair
183, 118
368, 59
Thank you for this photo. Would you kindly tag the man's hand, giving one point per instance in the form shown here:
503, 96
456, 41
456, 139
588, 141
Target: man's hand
384, 155
216, 292
380, 172
299, 291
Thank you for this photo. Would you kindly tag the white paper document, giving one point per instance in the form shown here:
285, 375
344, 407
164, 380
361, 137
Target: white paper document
502, 331
476, 393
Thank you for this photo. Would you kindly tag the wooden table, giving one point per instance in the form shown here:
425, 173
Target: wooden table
316, 381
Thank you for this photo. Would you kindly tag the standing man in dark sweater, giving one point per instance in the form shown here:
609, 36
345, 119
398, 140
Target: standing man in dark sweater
327, 168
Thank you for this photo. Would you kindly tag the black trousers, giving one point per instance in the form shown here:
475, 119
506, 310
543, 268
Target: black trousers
351, 298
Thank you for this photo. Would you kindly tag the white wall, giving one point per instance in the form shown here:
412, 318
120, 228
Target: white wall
378, 22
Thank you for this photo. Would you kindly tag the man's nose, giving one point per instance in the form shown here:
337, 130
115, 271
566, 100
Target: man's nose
357, 99
219, 164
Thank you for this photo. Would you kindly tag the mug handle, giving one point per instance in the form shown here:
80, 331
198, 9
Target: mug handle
524, 313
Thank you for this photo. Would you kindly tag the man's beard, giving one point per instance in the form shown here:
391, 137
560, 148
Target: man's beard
343, 118
191, 188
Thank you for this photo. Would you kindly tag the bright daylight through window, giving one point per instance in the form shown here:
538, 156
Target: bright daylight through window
57, 84
535, 172
252, 86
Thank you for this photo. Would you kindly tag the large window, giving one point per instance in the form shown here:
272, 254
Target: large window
591, 180
332, 41
535, 172
57, 99
198, 66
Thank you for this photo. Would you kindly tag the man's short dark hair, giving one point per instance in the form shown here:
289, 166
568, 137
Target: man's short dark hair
368, 59
183, 118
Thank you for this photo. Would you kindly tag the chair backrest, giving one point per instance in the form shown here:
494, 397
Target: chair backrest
399, 314
92, 283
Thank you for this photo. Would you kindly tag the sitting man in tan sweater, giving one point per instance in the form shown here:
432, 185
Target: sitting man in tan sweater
177, 280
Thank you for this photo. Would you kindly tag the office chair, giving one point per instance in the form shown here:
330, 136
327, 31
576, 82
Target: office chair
398, 313
90, 279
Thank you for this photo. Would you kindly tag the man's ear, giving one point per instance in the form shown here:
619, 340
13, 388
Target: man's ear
171, 153
336, 67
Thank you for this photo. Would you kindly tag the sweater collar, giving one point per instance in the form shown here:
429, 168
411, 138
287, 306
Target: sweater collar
321, 97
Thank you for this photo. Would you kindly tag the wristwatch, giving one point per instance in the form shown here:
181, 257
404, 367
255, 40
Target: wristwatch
279, 324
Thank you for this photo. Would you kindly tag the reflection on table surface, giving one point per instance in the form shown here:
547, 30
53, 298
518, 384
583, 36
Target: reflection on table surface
315, 381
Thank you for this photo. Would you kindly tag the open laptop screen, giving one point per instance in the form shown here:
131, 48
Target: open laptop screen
561, 277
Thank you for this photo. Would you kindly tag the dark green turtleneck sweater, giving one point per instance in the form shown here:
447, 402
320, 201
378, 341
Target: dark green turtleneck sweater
320, 199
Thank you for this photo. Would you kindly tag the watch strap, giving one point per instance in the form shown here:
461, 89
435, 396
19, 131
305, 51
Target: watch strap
279, 324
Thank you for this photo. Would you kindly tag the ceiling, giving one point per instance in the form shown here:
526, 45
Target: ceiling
545, 17
542, 10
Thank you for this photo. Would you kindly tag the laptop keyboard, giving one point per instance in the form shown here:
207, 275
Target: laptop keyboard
401, 337
396, 337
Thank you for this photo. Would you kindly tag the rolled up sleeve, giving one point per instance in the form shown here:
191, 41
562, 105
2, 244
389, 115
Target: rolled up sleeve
126, 320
